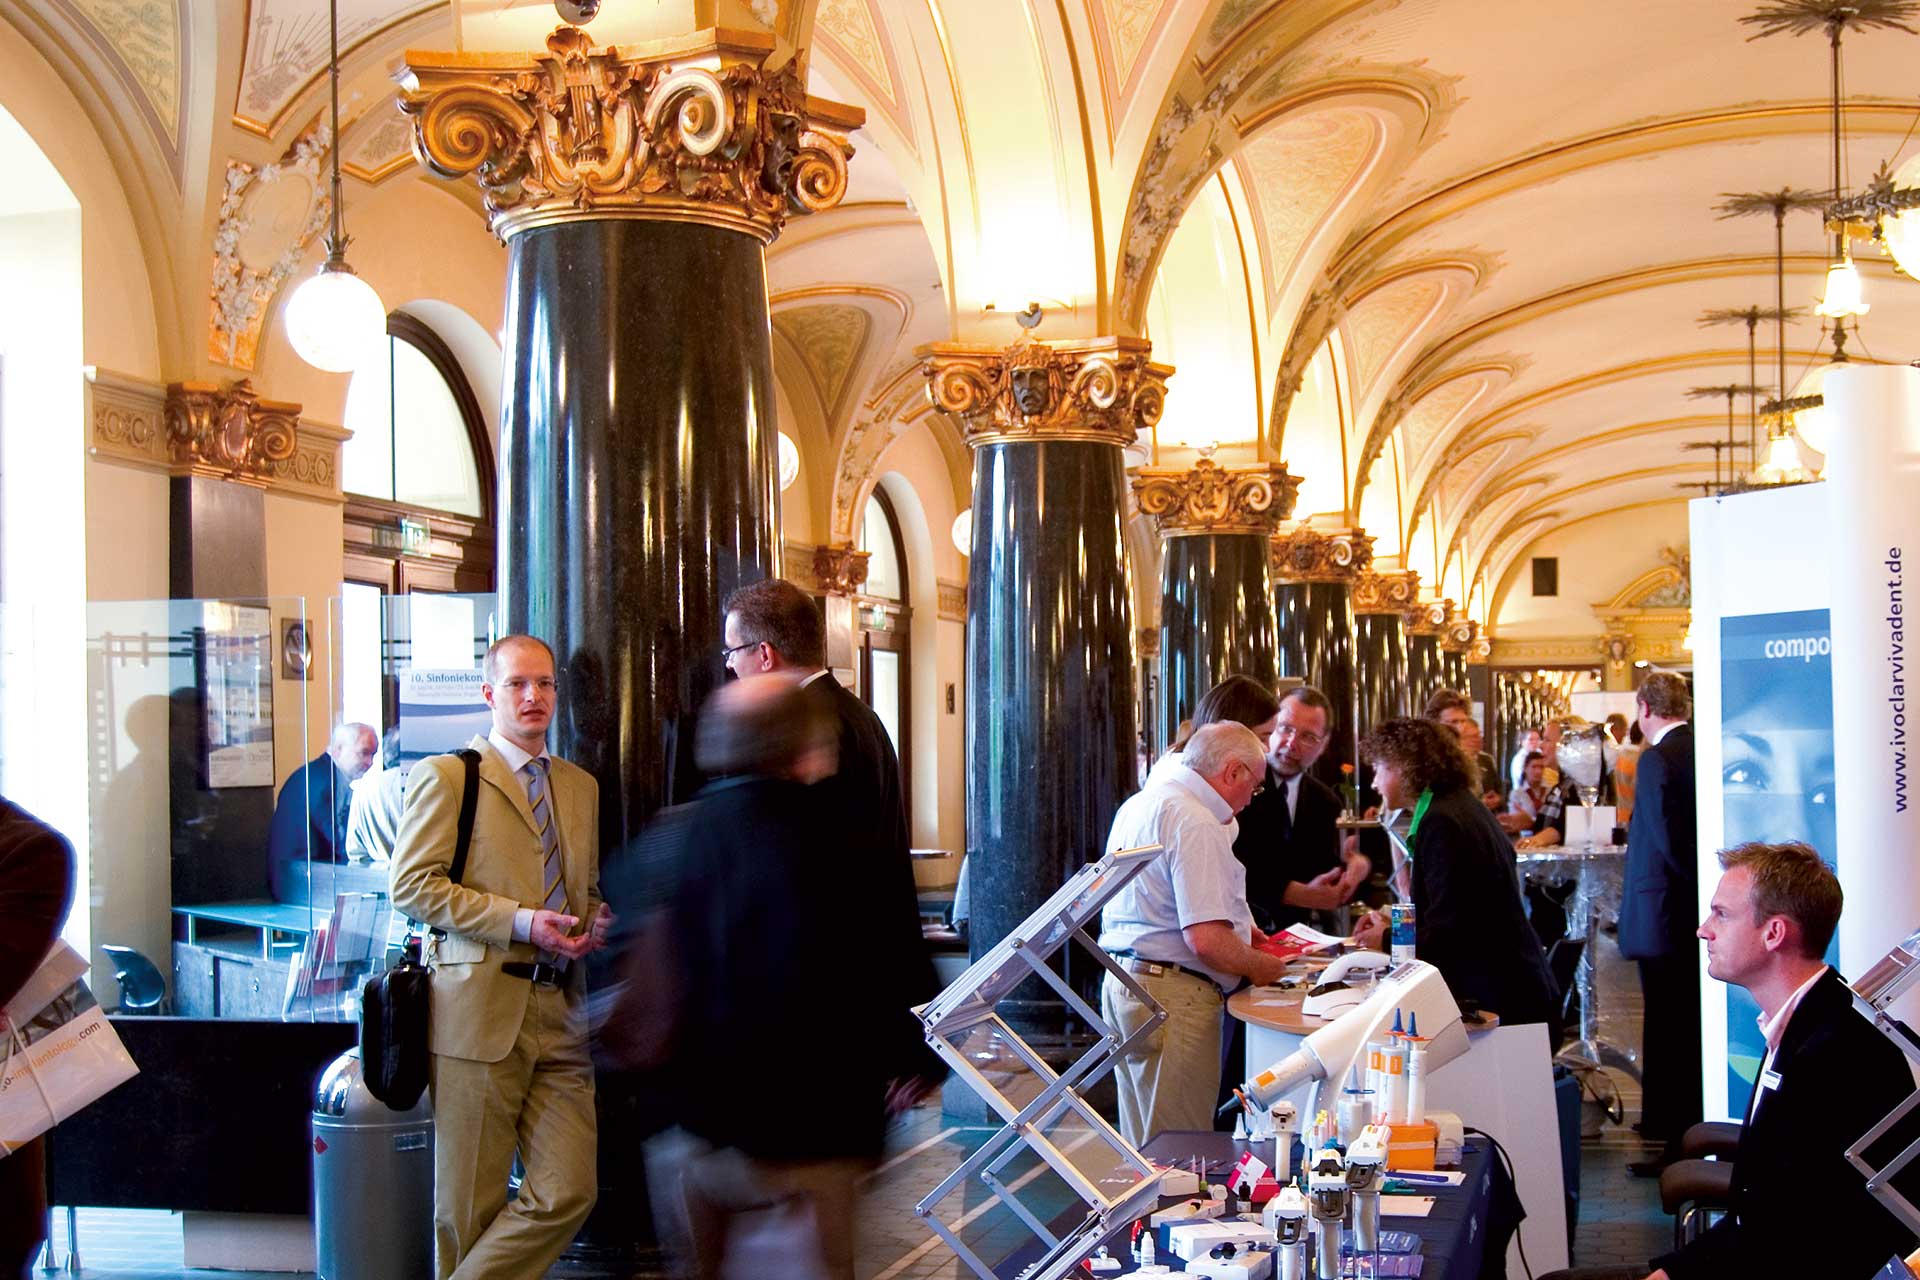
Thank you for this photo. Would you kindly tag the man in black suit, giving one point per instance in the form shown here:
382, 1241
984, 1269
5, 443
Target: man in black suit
36, 888
310, 819
773, 628
1827, 1078
1658, 904
1288, 841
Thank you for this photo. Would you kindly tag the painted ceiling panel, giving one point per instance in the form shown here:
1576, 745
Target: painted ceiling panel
287, 48
1297, 172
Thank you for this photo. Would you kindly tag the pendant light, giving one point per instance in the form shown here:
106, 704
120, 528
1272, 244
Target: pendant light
334, 319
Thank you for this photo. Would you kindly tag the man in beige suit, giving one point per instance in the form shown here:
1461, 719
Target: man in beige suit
508, 1023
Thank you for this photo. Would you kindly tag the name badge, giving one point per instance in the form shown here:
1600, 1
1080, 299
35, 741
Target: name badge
1769, 1079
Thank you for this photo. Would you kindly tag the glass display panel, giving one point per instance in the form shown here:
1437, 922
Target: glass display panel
208, 851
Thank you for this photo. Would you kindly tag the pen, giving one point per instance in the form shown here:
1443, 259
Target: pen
1434, 1178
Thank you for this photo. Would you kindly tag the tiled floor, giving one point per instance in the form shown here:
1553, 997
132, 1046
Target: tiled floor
1620, 1218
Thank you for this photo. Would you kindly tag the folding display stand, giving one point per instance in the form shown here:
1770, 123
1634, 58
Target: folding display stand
1044, 1110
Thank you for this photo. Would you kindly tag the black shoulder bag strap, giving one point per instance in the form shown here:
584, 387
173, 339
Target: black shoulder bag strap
469, 800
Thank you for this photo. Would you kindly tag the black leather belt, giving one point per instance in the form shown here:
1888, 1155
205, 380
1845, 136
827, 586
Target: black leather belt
1158, 967
545, 975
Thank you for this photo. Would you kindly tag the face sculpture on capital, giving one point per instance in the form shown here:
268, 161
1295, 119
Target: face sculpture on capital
1032, 380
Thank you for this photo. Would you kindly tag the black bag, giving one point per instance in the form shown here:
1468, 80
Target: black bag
393, 1006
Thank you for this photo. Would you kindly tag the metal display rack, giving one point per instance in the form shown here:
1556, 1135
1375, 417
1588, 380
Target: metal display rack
1043, 1110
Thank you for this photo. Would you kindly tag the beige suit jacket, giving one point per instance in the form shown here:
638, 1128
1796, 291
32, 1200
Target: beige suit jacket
477, 1009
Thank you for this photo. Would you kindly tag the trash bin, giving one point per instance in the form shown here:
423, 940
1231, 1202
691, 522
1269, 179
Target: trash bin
372, 1180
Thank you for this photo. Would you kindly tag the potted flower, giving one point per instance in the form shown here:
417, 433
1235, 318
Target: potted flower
1349, 791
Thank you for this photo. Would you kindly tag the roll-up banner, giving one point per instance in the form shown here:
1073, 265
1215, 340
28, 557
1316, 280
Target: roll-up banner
1763, 721
1873, 495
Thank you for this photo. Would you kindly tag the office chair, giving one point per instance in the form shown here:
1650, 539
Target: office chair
142, 989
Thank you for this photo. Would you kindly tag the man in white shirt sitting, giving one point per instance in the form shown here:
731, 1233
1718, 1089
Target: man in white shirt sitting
1183, 929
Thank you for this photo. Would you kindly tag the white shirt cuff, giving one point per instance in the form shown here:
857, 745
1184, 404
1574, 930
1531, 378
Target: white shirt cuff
523, 924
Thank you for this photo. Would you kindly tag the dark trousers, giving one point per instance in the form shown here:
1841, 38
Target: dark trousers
23, 1209
1670, 1061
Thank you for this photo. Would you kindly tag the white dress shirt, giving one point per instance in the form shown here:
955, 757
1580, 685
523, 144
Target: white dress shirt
1772, 1029
1196, 880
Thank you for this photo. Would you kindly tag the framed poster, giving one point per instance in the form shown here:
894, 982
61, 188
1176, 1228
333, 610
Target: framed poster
237, 678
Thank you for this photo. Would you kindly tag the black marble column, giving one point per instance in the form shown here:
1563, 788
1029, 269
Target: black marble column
1380, 662
1425, 673
1316, 645
1050, 662
638, 454
1216, 619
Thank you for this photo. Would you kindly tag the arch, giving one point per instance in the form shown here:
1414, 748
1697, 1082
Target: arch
475, 349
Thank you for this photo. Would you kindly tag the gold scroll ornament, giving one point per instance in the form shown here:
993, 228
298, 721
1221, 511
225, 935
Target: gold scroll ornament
1210, 498
1104, 390
1309, 555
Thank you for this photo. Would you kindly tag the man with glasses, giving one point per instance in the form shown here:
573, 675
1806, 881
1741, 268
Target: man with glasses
1289, 842
508, 1018
1183, 929
774, 628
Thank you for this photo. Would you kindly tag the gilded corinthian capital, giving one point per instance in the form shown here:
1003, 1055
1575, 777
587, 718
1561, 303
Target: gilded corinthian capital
690, 131
1429, 617
1309, 555
1385, 592
1460, 635
1210, 498
1100, 389
232, 434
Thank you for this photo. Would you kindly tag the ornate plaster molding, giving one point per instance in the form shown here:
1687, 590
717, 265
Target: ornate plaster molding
1210, 498
1310, 555
951, 601
244, 279
840, 570
1099, 389
1386, 592
195, 428
231, 434
694, 132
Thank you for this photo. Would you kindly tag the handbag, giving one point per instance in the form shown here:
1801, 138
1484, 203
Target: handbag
394, 1052
58, 1052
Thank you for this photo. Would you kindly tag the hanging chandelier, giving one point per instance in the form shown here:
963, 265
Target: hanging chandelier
1781, 460
334, 319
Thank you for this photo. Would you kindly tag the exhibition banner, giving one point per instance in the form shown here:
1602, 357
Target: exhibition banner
1873, 537
1776, 773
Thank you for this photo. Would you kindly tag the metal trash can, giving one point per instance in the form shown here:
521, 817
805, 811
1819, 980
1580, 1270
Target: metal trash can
372, 1180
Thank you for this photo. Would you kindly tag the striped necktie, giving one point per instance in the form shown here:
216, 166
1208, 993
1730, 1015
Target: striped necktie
553, 879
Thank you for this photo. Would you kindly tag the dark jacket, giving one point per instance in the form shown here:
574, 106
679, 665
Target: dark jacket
777, 945
1468, 919
1660, 896
36, 888
310, 820
1838, 1078
868, 785
1277, 850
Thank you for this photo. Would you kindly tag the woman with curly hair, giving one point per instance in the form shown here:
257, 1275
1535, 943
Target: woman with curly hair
1469, 920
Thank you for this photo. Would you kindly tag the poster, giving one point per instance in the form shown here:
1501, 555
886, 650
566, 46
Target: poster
441, 710
1776, 771
238, 646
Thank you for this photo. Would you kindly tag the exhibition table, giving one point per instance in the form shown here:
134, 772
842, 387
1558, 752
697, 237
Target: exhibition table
1453, 1236
1502, 1085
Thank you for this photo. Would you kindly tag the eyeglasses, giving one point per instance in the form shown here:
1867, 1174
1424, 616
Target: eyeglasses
1287, 733
727, 651
517, 685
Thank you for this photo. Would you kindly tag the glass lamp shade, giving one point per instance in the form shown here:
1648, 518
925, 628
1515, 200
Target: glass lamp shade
1843, 291
1814, 426
963, 532
335, 320
789, 462
1901, 232
1783, 464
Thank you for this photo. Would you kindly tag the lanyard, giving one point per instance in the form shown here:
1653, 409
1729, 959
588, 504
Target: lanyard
1419, 812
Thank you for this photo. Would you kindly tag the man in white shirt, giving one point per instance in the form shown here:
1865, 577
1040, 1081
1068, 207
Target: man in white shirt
1183, 929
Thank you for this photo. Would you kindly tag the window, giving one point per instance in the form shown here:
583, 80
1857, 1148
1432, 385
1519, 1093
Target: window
883, 617
418, 438
1546, 575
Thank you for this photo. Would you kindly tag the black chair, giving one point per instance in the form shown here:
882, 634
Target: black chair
142, 989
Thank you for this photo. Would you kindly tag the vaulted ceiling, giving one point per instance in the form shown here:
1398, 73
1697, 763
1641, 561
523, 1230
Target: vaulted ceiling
1501, 212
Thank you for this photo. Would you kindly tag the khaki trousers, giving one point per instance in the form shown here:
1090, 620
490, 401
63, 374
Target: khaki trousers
537, 1100
1170, 1080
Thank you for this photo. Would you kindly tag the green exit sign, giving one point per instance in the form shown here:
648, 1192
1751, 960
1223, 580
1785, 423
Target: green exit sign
416, 539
